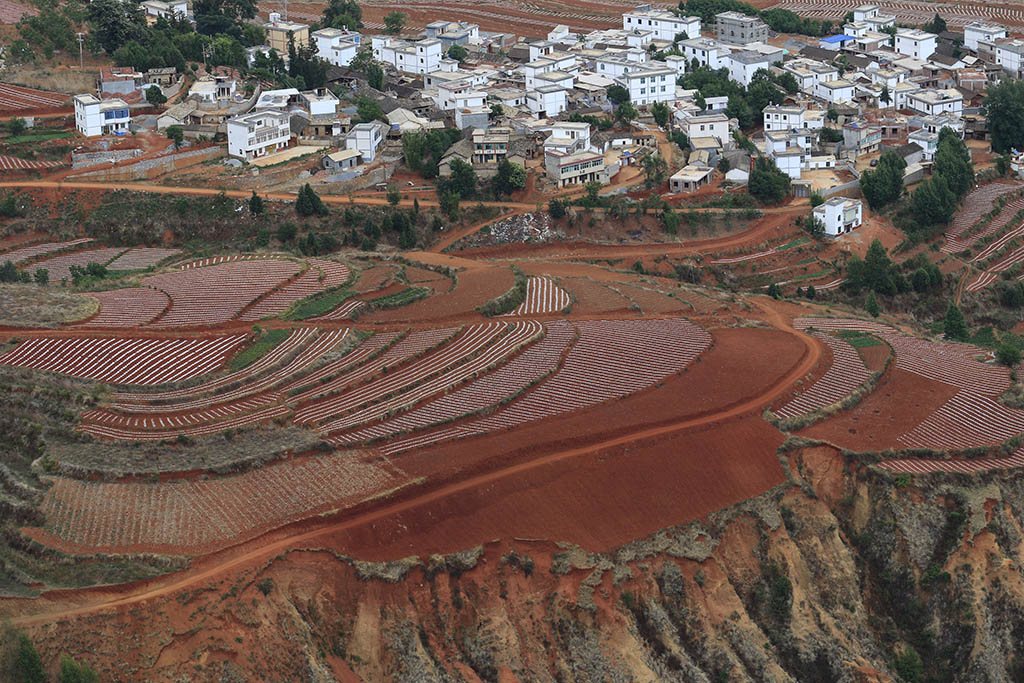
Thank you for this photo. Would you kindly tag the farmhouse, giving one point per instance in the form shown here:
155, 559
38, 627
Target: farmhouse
281, 33
258, 133
663, 25
573, 169
101, 117
690, 178
366, 138
839, 215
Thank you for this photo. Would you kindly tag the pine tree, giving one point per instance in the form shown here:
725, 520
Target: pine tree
954, 326
28, 666
255, 204
872, 306
303, 204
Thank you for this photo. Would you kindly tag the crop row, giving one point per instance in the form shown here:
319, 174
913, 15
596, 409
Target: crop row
967, 420
204, 429
141, 257
542, 296
322, 275
843, 377
927, 465
127, 307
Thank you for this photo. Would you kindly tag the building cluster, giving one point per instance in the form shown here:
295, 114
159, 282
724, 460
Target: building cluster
874, 86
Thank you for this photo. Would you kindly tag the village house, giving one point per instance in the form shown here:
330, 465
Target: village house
573, 169
367, 138
690, 178
337, 46
94, 116
258, 133
839, 215
664, 25
739, 29
281, 33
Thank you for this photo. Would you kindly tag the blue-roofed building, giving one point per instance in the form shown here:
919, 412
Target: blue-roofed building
836, 42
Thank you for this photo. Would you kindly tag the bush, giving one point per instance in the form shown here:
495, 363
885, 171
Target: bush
556, 209
1008, 354
286, 232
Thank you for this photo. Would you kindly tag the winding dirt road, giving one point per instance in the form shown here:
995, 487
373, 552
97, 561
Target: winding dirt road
111, 597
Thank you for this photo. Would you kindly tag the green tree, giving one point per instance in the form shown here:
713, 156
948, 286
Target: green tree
814, 227
449, 204
954, 326
1008, 354
114, 23
810, 292
458, 53
767, 183
255, 204
511, 177
556, 209
286, 232
155, 96
953, 161
883, 184
655, 170
368, 110
724, 165
933, 201
309, 203
1004, 104
592, 190
394, 195
42, 276
937, 25
885, 98
394, 22
462, 180
832, 115
617, 94
497, 110
73, 672
15, 126
28, 666
175, 134
625, 113
816, 199
1003, 165
872, 306
343, 14
660, 112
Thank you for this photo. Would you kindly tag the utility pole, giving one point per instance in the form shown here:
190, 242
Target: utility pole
80, 37
286, 10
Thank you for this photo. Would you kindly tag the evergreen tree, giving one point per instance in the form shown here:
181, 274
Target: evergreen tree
28, 667
954, 326
256, 204
872, 306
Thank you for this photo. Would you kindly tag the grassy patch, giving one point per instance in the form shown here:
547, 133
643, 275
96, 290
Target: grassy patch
398, 299
30, 305
264, 344
38, 137
795, 243
318, 305
859, 340
806, 261
809, 276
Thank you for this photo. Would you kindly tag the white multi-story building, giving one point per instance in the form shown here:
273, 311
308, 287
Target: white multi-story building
258, 133
459, 94
915, 43
714, 126
743, 66
835, 92
547, 101
573, 169
872, 16
677, 63
663, 24
931, 102
419, 57
367, 138
839, 215
555, 61
809, 72
706, 51
778, 117
568, 137
977, 30
650, 85
94, 116
927, 140
889, 76
156, 9
739, 29
336, 45
1009, 56
902, 92
789, 160
614, 65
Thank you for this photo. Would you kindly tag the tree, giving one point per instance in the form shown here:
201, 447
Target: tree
625, 113
155, 96
1008, 354
933, 201
73, 672
394, 195
255, 204
461, 182
937, 25
449, 203
556, 209
309, 203
810, 292
816, 199
458, 53
814, 226
114, 23
774, 291
724, 165
497, 111
767, 183
28, 667
1004, 104
1003, 165
368, 110
872, 306
511, 177
286, 232
42, 276
885, 98
175, 134
15, 126
788, 83
954, 326
342, 14
655, 170
592, 190
617, 94
883, 184
393, 22
660, 112
832, 115
953, 162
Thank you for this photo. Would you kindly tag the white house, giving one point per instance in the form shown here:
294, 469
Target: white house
367, 138
336, 45
1009, 56
931, 102
835, 92
568, 137
258, 133
706, 51
547, 101
778, 117
915, 43
94, 116
173, 9
573, 169
872, 15
663, 24
690, 178
839, 215
650, 85
743, 65
677, 63
809, 72
927, 140
420, 57
706, 126
978, 30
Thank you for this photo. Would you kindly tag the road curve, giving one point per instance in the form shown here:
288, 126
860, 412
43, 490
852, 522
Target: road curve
143, 591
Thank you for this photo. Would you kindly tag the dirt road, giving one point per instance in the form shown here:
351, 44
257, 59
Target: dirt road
99, 599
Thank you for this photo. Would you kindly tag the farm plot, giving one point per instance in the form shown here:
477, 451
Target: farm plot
215, 260
129, 307
12, 12
593, 297
17, 98
374, 278
968, 419
1010, 210
9, 163
124, 360
908, 12
477, 284
976, 204
989, 276
509, 380
141, 258
472, 339
611, 359
423, 277
542, 296
650, 300
928, 465
494, 354
25, 253
216, 294
188, 418
344, 311
59, 267
741, 258
273, 412
843, 377
322, 275
184, 516
365, 362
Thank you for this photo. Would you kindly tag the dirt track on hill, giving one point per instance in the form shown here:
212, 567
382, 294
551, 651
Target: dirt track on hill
99, 599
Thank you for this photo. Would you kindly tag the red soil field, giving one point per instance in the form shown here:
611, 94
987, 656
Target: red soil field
875, 356
901, 400
476, 285
374, 278
652, 301
599, 501
591, 297
421, 277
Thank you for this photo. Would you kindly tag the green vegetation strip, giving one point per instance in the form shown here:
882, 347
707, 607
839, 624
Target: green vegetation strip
38, 137
262, 345
795, 243
859, 340
808, 276
398, 299
318, 305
